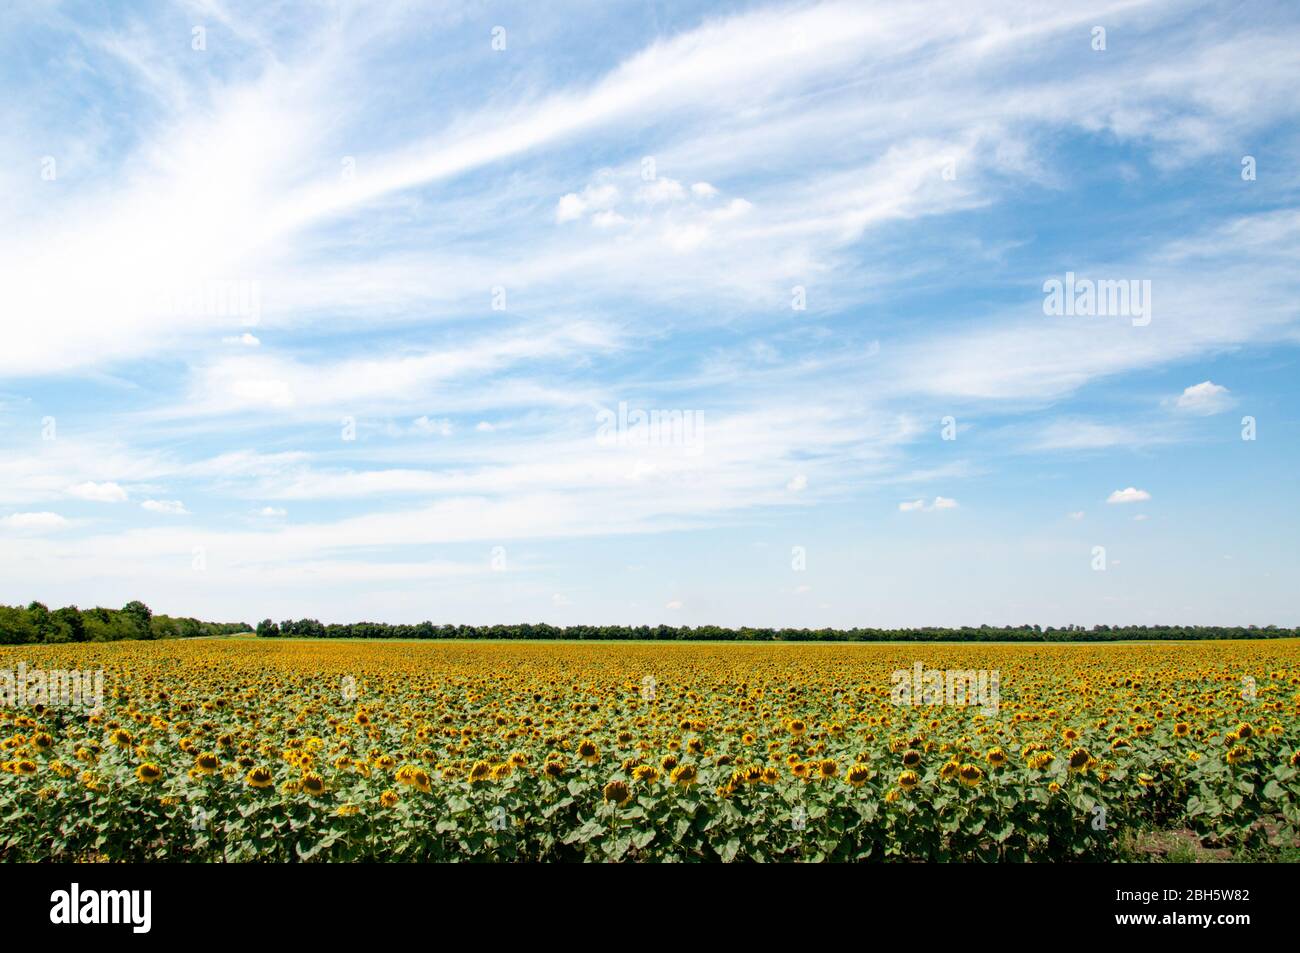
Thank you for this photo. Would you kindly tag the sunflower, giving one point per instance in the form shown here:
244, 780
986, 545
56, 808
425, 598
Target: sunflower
480, 772
645, 774
949, 770
554, 770
996, 757
1295, 758
1238, 754
617, 792
25, 766
827, 768
259, 777
685, 775
1244, 731
347, 810
970, 775
206, 763
908, 780
1079, 759
313, 784
911, 758
588, 751
389, 798
121, 737
148, 773
858, 775
1182, 729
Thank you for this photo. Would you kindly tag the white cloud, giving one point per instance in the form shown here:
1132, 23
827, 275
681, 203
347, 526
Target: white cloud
661, 190
1076, 515
673, 605
797, 483
703, 190
165, 507
245, 340
1129, 495
98, 492
425, 425
34, 521
920, 506
593, 198
271, 512
1205, 398
484, 427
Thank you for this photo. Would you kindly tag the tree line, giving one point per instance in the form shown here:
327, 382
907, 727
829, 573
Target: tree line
313, 629
38, 624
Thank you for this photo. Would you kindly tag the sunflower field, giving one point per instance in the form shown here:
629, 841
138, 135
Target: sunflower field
242, 750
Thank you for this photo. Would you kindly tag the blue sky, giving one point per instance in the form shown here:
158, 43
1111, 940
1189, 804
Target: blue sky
314, 310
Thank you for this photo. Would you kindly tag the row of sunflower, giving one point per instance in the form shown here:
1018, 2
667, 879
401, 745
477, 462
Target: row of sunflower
242, 750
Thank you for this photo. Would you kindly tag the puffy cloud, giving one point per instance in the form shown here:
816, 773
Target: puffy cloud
34, 521
920, 506
797, 483
98, 492
1129, 495
1204, 398
165, 507
593, 198
425, 424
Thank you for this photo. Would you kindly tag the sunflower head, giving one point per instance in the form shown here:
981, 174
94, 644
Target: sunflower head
908, 780
858, 775
259, 777
206, 763
617, 792
685, 775
148, 773
970, 774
